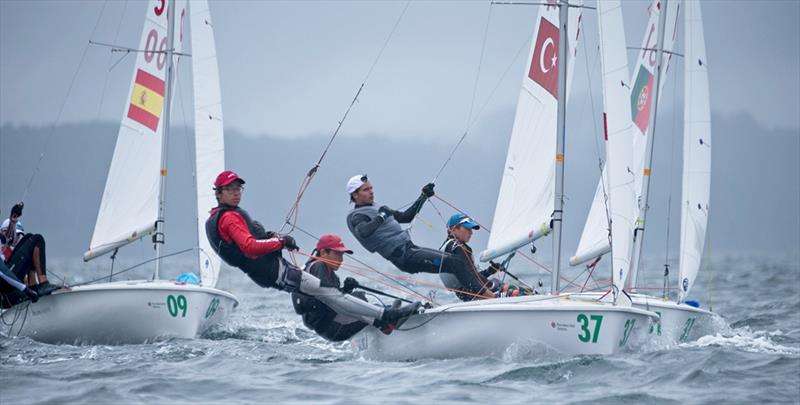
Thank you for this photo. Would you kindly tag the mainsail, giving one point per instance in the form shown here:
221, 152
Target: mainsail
526, 199
619, 133
594, 240
696, 151
209, 140
129, 207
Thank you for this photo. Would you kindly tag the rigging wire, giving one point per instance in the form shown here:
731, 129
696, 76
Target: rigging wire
480, 63
291, 216
112, 66
63, 105
671, 182
477, 117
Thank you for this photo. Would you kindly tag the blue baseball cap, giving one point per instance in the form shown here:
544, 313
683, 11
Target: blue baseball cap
463, 220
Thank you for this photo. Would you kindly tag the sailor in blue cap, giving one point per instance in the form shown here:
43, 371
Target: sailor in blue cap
459, 232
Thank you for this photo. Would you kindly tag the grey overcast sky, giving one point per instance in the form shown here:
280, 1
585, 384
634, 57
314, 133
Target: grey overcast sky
289, 69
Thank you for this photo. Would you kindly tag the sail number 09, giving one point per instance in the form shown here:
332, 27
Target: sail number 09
177, 305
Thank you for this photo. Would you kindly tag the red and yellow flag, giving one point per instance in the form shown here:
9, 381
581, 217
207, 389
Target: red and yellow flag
147, 100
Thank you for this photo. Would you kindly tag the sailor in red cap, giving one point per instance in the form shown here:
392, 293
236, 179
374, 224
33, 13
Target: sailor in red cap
317, 316
244, 243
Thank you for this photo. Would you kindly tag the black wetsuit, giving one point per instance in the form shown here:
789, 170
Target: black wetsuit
21, 260
387, 238
11, 288
480, 277
321, 318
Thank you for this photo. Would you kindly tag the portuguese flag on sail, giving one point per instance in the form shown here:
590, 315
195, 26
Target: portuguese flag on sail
640, 98
147, 100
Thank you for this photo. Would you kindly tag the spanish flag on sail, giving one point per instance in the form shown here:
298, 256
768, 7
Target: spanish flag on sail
147, 100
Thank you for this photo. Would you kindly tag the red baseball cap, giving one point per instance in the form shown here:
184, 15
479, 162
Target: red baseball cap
225, 178
332, 242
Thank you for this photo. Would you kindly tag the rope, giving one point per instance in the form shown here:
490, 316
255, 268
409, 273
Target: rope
398, 283
135, 266
292, 214
61, 110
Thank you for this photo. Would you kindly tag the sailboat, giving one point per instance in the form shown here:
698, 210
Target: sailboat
132, 207
529, 207
681, 320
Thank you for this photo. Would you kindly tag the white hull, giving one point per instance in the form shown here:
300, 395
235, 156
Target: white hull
125, 312
678, 322
489, 327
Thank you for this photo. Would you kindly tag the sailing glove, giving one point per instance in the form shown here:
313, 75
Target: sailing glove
385, 212
427, 191
16, 210
289, 243
495, 267
31, 294
350, 284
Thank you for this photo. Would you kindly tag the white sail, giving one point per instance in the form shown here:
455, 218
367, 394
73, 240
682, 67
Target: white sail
619, 133
594, 240
526, 199
129, 208
696, 151
209, 141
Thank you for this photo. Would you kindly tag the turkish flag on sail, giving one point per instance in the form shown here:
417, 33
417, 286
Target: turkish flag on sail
544, 64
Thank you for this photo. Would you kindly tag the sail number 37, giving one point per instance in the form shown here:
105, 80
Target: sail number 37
587, 333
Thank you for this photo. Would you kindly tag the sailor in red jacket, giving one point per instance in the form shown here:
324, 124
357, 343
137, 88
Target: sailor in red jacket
244, 243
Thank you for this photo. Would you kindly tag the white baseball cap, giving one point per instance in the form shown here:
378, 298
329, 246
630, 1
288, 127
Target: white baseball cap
18, 228
355, 182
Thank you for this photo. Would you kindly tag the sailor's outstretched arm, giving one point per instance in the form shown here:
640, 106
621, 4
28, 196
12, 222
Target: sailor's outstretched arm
365, 226
344, 304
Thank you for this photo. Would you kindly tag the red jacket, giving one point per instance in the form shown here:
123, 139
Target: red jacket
233, 228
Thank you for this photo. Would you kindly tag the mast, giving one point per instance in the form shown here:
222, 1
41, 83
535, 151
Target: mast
639, 231
563, 39
158, 238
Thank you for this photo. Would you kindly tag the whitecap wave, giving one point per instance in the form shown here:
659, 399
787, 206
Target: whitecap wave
747, 340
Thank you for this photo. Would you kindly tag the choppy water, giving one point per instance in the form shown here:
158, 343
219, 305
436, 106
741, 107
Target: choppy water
264, 354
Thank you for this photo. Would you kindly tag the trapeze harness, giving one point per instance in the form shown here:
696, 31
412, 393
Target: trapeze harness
264, 270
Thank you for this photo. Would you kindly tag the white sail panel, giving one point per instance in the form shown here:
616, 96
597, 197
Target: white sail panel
209, 140
695, 191
619, 148
130, 199
596, 229
526, 198
595, 240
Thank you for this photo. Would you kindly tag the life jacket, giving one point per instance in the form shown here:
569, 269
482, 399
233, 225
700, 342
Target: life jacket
316, 315
230, 252
386, 239
462, 252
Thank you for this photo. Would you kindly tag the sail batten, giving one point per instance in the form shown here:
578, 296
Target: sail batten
696, 182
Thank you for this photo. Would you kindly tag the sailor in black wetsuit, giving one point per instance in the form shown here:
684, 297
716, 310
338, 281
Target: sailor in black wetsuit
243, 243
379, 230
317, 316
459, 232
12, 290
